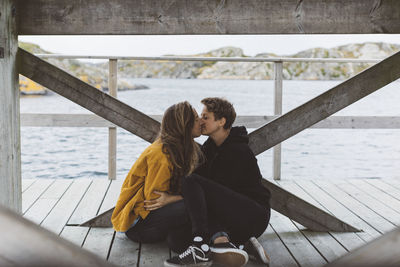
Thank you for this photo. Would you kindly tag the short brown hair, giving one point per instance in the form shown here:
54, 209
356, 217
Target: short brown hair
221, 108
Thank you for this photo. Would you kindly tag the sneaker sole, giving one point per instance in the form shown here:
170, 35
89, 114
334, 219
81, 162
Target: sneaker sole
202, 264
260, 251
229, 257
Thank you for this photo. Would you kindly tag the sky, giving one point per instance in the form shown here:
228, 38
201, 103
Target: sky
158, 45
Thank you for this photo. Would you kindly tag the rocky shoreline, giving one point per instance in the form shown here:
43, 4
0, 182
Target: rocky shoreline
97, 74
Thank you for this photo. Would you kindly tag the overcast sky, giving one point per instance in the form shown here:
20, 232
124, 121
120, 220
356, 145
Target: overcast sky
193, 44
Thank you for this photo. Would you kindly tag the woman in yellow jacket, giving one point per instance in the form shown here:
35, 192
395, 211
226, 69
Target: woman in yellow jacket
150, 204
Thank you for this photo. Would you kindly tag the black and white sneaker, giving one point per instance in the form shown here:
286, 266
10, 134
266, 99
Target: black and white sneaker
256, 251
227, 254
197, 254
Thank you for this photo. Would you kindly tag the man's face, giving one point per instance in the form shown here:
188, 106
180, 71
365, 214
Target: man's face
196, 131
208, 123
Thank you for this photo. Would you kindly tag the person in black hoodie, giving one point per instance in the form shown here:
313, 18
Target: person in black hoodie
225, 200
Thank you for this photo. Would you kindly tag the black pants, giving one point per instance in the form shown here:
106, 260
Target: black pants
213, 208
160, 223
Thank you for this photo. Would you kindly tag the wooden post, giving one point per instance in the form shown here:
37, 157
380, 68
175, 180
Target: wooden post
10, 144
23, 243
112, 131
277, 111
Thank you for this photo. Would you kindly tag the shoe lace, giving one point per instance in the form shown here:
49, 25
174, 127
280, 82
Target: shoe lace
191, 250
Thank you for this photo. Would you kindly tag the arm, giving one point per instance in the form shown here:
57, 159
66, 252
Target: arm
161, 201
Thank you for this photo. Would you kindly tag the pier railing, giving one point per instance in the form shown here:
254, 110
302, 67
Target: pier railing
91, 120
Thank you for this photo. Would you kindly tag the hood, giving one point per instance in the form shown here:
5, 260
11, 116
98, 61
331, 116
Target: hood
237, 135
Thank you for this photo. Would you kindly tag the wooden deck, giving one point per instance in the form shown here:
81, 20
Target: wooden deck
372, 205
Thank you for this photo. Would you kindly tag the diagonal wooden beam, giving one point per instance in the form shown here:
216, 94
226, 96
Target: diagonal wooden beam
87, 96
132, 120
26, 244
383, 251
326, 104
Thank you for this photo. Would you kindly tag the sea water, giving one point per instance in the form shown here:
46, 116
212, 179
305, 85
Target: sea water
69, 152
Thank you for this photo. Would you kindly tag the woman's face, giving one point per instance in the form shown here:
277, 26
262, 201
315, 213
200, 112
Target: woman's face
196, 131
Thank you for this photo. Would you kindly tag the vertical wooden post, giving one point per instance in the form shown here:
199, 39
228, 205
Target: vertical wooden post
112, 131
277, 111
10, 144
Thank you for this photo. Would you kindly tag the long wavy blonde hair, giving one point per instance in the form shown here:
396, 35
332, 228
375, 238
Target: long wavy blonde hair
178, 143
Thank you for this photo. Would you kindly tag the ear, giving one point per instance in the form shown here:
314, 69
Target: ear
222, 121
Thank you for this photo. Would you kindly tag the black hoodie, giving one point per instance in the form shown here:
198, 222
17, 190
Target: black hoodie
234, 165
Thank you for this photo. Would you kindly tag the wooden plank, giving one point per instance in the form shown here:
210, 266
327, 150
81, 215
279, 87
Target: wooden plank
388, 189
303, 212
36, 246
99, 241
61, 213
326, 104
301, 249
34, 192
277, 251
371, 223
43, 17
104, 217
42, 207
327, 199
349, 241
153, 254
380, 210
384, 251
75, 234
26, 183
124, 252
92, 120
87, 96
79, 234
10, 137
379, 195
90, 203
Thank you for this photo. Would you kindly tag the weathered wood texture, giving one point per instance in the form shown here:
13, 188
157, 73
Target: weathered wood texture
303, 212
91, 120
112, 131
207, 17
147, 128
384, 251
87, 96
326, 104
277, 150
10, 144
26, 244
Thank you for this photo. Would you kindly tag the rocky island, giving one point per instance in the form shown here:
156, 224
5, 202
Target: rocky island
96, 73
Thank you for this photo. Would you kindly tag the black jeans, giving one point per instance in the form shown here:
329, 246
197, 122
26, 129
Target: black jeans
159, 223
213, 208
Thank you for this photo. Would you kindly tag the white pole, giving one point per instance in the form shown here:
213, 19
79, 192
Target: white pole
112, 131
277, 111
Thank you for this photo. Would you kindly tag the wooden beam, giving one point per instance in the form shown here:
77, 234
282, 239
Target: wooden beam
303, 212
10, 144
26, 244
383, 251
37, 17
87, 96
91, 120
140, 124
326, 104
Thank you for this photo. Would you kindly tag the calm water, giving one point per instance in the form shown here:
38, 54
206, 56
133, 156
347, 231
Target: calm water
312, 154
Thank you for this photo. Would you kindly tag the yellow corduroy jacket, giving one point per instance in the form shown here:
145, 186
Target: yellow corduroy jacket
151, 171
